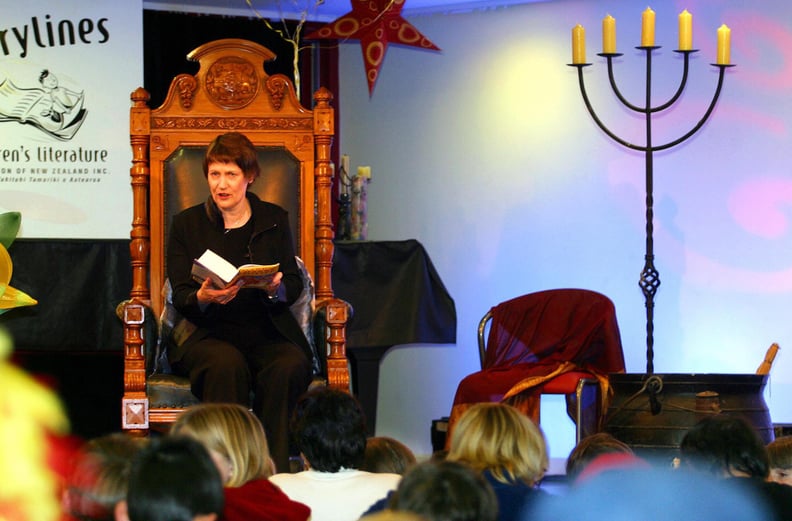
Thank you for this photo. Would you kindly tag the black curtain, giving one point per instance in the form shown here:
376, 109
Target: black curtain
168, 37
78, 285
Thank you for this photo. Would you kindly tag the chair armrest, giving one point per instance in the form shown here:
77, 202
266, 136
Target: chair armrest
335, 314
141, 332
321, 332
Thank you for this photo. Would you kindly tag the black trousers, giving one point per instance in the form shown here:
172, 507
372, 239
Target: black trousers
277, 374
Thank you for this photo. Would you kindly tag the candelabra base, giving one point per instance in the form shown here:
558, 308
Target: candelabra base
344, 228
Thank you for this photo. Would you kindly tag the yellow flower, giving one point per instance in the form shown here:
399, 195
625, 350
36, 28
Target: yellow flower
28, 411
10, 297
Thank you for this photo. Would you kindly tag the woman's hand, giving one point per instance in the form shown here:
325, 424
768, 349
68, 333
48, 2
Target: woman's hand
272, 287
209, 294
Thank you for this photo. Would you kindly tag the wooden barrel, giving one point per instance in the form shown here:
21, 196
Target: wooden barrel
652, 413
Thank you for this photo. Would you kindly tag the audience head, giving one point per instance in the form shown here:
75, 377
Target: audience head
439, 455
445, 491
392, 515
173, 479
591, 447
610, 462
98, 480
234, 437
724, 446
329, 429
779, 453
651, 494
384, 454
233, 147
498, 438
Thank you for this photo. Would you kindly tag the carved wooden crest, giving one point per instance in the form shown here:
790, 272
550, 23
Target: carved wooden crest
231, 82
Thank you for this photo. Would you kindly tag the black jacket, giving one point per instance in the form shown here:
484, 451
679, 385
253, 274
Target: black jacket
200, 227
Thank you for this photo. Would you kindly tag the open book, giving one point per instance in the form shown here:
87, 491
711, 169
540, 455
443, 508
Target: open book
224, 274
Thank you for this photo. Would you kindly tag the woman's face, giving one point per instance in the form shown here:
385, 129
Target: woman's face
223, 464
779, 475
227, 184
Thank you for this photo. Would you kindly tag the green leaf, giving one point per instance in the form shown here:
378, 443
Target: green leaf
9, 227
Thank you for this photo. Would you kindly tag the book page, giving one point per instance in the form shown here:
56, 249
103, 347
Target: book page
259, 269
211, 265
256, 275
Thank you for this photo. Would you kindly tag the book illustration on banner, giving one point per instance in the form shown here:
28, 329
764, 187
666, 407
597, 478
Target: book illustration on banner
52, 108
223, 273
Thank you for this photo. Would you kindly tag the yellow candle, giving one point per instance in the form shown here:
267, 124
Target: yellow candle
609, 35
345, 162
724, 43
685, 31
578, 44
648, 28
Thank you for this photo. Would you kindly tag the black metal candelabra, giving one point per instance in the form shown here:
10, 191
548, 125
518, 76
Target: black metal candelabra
344, 230
650, 278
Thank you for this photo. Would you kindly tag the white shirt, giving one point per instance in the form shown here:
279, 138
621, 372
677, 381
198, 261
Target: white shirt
337, 496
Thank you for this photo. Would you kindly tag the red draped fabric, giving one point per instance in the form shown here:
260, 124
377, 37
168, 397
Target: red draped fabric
533, 339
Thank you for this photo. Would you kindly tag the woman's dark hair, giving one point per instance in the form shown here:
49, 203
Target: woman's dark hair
233, 147
723, 444
329, 428
173, 479
445, 491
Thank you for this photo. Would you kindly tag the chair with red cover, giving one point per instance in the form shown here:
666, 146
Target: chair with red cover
559, 341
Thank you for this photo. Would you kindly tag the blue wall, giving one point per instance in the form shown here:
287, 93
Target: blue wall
485, 153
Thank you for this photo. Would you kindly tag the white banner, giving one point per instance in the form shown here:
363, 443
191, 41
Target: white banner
66, 71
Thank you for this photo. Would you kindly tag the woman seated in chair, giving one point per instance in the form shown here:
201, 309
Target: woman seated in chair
246, 339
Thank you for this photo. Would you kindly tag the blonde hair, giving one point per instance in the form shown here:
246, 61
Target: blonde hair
498, 438
232, 431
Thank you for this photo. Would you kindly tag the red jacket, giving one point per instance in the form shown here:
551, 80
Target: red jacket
261, 500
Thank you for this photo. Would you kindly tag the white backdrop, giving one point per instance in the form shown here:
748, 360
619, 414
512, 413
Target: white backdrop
64, 139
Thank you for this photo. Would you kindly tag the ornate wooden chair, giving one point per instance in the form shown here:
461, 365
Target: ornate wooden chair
231, 91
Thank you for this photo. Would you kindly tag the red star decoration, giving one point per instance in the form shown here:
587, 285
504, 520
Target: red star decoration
375, 23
